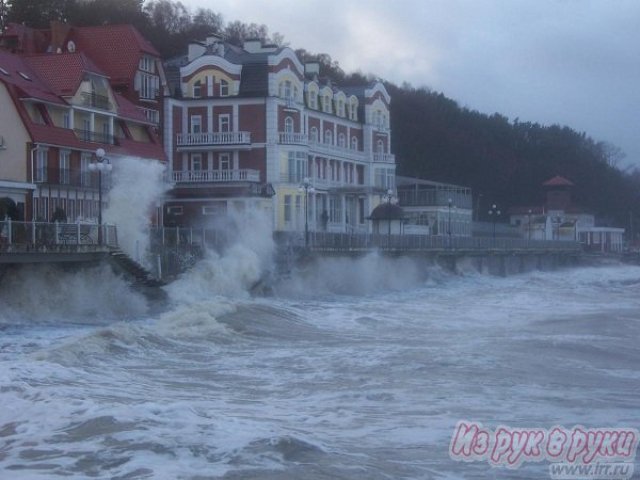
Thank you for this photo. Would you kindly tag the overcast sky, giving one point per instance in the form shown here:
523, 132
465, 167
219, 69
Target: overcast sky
568, 62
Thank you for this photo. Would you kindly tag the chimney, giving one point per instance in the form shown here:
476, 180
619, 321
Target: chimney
196, 49
252, 45
312, 69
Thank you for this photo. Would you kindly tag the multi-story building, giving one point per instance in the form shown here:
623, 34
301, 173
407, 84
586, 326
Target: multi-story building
245, 127
58, 109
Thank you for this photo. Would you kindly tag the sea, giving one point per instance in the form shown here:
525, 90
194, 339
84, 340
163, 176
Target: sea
346, 369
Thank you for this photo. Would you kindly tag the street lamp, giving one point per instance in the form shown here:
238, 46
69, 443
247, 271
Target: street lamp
529, 226
449, 224
100, 164
306, 188
495, 213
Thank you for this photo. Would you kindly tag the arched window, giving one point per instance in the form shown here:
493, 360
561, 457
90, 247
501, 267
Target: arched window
354, 143
313, 136
328, 137
342, 141
288, 125
380, 146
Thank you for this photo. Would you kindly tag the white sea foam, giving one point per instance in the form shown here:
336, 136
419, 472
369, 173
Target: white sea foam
137, 187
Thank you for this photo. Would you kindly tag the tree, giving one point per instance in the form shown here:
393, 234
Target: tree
37, 13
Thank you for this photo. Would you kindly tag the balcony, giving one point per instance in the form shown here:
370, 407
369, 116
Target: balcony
293, 138
94, 137
330, 149
71, 178
384, 157
216, 176
96, 101
217, 139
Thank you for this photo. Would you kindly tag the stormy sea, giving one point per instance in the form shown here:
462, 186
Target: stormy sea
353, 369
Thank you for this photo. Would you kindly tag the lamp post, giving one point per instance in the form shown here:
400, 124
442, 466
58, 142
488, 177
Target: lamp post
100, 164
494, 213
306, 188
449, 222
529, 226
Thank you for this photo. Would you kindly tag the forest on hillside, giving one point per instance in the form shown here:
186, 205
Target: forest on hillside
503, 161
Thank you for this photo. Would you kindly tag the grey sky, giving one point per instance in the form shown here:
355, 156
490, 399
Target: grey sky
570, 62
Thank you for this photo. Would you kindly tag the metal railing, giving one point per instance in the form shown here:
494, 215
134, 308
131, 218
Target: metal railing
216, 138
216, 176
384, 157
96, 101
359, 241
70, 177
94, 137
46, 234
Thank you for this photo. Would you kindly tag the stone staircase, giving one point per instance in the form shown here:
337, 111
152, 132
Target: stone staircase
140, 276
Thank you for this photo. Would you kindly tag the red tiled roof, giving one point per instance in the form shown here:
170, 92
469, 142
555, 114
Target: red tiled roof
128, 110
115, 48
31, 87
558, 181
64, 71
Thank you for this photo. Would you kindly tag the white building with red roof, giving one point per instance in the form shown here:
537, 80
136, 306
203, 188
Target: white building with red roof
58, 109
558, 218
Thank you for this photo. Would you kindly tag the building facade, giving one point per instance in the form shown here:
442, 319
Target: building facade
58, 108
247, 127
560, 219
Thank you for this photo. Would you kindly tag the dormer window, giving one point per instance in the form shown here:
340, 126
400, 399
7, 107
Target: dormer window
326, 104
147, 64
224, 88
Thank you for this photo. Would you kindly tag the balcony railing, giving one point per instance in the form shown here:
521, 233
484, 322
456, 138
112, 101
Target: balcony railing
216, 176
72, 178
335, 149
96, 101
94, 137
384, 157
293, 138
217, 138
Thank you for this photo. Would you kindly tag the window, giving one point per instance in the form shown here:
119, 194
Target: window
342, 140
224, 161
353, 110
224, 123
335, 210
147, 85
224, 88
380, 146
66, 120
42, 165
361, 210
85, 173
86, 129
313, 100
196, 124
106, 133
314, 135
288, 125
287, 208
197, 89
354, 143
196, 162
147, 64
216, 208
285, 89
384, 178
297, 166
328, 137
341, 108
64, 166
326, 104
175, 210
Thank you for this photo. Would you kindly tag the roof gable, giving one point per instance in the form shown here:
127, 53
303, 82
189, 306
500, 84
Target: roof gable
63, 72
